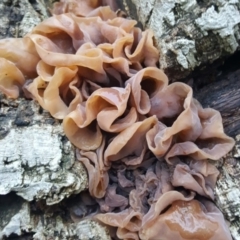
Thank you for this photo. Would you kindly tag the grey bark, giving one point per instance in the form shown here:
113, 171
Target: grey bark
227, 191
38, 163
19, 17
36, 160
188, 33
20, 218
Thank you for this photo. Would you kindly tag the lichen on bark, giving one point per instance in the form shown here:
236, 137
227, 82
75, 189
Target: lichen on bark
36, 159
189, 33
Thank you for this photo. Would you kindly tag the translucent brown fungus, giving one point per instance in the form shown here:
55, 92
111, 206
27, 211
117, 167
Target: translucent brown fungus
145, 144
187, 220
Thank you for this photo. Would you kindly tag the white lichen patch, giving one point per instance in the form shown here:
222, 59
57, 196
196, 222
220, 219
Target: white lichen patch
162, 13
33, 14
19, 223
50, 226
30, 145
161, 19
228, 200
222, 22
209, 29
237, 147
228, 194
227, 189
143, 9
185, 51
37, 161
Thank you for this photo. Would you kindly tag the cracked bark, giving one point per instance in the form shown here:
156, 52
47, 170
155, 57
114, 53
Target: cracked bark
37, 162
42, 210
188, 33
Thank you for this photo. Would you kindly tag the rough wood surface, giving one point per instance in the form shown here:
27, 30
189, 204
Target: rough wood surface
36, 159
18, 17
37, 162
188, 33
21, 218
227, 190
224, 96
184, 44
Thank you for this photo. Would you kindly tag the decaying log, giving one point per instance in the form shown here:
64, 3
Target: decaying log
227, 190
188, 33
37, 161
224, 96
19, 217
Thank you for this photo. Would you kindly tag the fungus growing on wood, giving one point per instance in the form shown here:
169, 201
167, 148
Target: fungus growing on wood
144, 143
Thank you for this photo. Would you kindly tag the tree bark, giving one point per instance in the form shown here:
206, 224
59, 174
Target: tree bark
36, 159
224, 96
185, 39
30, 221
37, 162
188, 33
191, 35
19, 17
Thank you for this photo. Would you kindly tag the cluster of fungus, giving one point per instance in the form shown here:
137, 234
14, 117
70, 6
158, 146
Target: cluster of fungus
145, 144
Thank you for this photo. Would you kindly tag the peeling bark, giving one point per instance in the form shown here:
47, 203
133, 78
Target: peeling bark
38, 163
188, 33
36, 160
